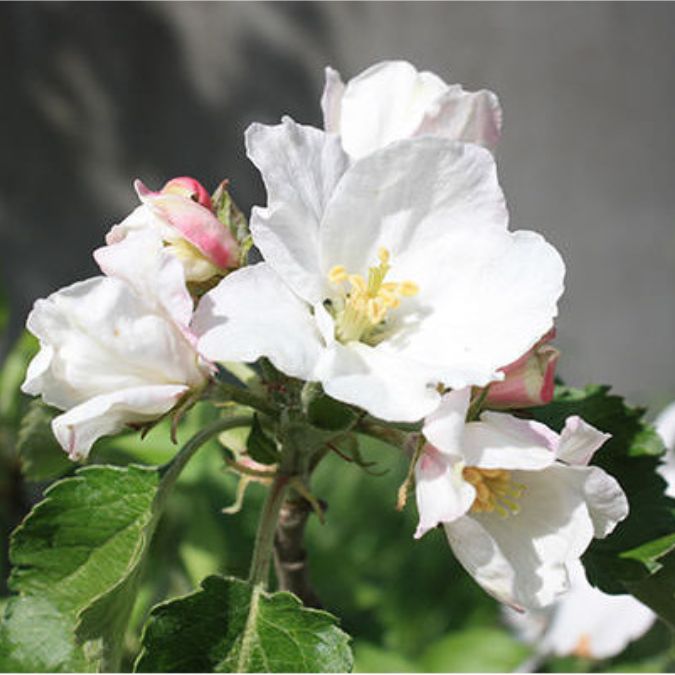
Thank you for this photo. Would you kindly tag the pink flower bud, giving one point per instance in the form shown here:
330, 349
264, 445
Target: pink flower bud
184, 186
529, 381
196, 223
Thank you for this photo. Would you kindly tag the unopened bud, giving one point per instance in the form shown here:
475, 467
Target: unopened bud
190, 188
529, 381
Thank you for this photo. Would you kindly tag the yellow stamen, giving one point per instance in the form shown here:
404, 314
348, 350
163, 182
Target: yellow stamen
495, 491
360, 311
337, 274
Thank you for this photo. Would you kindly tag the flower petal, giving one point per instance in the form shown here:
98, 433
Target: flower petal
472, 117
486, 296
252, 313
593, 624
604, 498
97, 336
389, 388
442, 494
78, 429
385, 103
502, 441
579, 441
408, 198
331, 100
140, 260
444, 428
520, 559
300, 166
195, 223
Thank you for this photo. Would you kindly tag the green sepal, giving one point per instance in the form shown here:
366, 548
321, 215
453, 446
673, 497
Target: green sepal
259, 446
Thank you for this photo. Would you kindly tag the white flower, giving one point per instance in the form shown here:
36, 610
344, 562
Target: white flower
115, 350
665, 426
517, 501
392, 100
585, 622
385, 277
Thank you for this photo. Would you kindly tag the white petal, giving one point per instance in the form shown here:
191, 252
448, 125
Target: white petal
604, 498
385, 103
472, 117
502, 441
520, 559
442, 494
665, 426
444, 428
331, 100
252, 313
157, 277
107, 414
579, 441
104, 338
409, 198
389, 388
593, 623
486, 297
300, 166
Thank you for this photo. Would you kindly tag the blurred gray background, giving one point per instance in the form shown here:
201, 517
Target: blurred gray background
94, 95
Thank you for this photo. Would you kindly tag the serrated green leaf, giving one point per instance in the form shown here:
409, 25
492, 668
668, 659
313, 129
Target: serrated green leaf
80, 551
658, 590
631, 554
260, 446
231, 626
37, 637
42, 458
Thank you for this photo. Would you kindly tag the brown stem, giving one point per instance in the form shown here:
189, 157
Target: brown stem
290, 557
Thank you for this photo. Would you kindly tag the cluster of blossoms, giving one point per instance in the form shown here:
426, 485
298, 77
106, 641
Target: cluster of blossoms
389, 277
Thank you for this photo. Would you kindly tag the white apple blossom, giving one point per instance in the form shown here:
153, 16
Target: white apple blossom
115, 350
391, 100
585, 622
189, 229
516, 500
665, 426
384, 277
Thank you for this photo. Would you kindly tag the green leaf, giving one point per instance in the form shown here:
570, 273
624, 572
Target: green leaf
260, 446
42, 458
231, 216
37, 637
80, 551
231, 626
632, 553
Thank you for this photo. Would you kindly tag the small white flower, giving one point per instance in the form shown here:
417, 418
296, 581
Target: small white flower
665, 426
517, 501
115, 350
585, 622
383, 277
391, 100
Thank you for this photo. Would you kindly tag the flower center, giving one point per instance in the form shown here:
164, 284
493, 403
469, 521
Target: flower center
361, 309
495, 491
